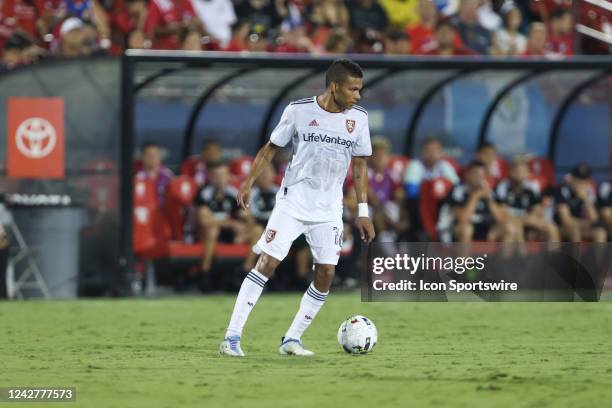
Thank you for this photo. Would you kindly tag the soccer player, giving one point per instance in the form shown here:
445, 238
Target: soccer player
220, 217
524, 204
576, 212
604, 203
326, 132
477, 215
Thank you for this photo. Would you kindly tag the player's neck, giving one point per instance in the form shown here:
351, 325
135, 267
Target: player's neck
326, 101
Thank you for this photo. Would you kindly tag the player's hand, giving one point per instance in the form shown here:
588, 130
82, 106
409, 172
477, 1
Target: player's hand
366, 229
244, 195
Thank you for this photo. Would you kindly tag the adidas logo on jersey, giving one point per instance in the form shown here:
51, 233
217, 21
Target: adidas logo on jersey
313, 123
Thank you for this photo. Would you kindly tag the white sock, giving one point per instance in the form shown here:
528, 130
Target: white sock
249, 293
309, 307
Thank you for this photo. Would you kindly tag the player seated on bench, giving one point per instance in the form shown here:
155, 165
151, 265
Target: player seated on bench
575, 208
494, 165
197, 167
476, 214
604, 204
219, 217
524, 204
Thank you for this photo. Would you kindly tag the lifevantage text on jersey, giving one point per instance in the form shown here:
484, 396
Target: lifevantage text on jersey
319, 138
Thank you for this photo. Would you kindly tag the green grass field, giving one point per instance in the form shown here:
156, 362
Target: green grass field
164, 353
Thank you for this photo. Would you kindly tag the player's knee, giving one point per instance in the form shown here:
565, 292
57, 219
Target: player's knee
325, 272
266, 265
464, 232
599, 235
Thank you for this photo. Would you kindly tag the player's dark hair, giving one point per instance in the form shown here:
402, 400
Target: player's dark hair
340, 70
558, 13
445, 22
430, 140
476, 163
215, 165
209, 142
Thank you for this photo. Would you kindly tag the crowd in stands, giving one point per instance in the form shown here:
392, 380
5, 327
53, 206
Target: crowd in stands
426, 198
32, 30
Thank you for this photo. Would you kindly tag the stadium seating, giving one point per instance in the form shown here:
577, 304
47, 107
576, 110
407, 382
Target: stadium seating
151, 230
158, 232
179, 195
543, 172
432, 193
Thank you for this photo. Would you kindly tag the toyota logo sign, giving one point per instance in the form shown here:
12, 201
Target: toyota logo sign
35, 138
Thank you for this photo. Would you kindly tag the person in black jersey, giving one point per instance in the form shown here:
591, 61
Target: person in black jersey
219, 217
477, 216
604, 204
524, 204
575, 208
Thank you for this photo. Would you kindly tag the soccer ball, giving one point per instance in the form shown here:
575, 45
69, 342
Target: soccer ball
357, 335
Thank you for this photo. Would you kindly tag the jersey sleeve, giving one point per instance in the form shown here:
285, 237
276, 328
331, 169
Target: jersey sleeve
457, 197
284, 131
200, 199
604, 195
363, 145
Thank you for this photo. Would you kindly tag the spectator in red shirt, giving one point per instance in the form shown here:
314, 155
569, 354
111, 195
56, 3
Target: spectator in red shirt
537, 40
8, 25
23, 13
422, 34
445, 41
546, 7
240, 34
561, 32
295, 40
127, 18
166, 19
51, 13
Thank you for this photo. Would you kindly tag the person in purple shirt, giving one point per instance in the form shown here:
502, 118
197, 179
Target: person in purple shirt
385, 196
153, 169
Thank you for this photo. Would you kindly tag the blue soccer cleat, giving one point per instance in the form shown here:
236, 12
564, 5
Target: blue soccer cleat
230, 346
293, 347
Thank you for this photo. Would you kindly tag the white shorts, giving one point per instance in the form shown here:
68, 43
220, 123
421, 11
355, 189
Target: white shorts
324, 238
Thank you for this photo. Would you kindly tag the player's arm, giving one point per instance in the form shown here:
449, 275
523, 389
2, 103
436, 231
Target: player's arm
264, 156
565, 215
499, 211
360, 175
463, 213
589, 205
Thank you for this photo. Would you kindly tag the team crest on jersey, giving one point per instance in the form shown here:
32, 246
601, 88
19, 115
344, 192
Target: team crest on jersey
270, 234
350, 125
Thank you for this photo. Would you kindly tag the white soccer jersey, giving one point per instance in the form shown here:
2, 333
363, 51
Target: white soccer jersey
323, 144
